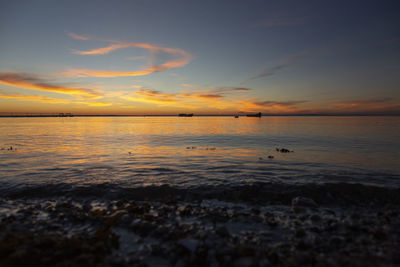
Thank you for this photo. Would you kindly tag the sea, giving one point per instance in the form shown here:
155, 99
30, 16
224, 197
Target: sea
42, 156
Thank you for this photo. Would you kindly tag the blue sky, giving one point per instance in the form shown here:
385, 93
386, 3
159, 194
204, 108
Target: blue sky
206, 57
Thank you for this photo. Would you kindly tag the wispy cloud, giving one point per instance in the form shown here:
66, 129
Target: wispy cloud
281, 103
272, 106
206, 100
372, 104
102, 50
200, 96
208, 96
193, 86
164, 97
156, 94
95, 103
378, 105
232, 89
78, 36
217, 89
156, 97
32, 98
283, 63
181, 58
365, 102
50, 100
279, 21
189, 100
34, 82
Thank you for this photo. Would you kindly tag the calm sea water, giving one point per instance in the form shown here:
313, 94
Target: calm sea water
188, 152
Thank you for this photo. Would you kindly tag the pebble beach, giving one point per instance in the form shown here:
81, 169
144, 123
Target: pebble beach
192, 228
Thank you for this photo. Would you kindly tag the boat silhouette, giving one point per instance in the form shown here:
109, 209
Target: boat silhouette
185, 115
255, 115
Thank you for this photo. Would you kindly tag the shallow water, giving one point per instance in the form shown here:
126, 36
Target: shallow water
198, 151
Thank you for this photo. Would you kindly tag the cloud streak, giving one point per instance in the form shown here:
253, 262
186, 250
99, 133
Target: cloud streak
356, 103
181, 58
217, 89
34, 82
271, 106
78, 36
284, 63
156, 97
33, 98
189, 100
232, 89
200, 100
50, 100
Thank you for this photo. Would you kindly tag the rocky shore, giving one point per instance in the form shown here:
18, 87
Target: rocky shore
67, 231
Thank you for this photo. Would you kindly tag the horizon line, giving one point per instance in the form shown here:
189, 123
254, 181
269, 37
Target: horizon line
32, 115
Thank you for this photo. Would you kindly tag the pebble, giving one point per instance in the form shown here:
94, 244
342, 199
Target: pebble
303, 202
189, 244
183, 233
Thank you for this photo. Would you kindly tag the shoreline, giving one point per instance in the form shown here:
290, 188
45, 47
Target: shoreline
265, 193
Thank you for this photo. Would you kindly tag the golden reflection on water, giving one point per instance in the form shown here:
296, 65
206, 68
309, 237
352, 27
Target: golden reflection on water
159, 141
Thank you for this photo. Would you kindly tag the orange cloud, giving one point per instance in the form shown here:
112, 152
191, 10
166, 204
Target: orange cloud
102, 50
78, 36
196, 100
188, 100
102, 73
95, 104
31, 81
363, 103
182, 58
375, 106
154, 93
33, 98
156, 97
202, 96
50, 100
191, 85
271, 106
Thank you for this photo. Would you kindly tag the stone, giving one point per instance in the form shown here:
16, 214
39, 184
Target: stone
222, 231
303, 202
189, 244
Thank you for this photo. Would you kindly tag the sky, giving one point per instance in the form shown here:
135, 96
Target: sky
149, 57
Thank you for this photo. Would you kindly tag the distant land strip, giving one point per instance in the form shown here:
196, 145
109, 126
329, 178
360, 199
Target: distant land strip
29, 115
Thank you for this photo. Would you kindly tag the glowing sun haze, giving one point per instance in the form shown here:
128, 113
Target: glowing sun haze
203, 57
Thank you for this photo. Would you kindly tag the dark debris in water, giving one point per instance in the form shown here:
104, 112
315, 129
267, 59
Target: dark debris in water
283, 150
10, 148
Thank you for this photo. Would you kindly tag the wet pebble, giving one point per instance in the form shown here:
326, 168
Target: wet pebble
190, 244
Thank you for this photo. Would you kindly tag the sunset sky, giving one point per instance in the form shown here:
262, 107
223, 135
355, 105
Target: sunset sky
203, 57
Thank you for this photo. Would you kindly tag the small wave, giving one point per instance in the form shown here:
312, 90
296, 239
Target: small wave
260, 193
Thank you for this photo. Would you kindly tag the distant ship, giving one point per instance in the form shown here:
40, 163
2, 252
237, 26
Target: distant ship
255, 115
185, 115
65, 115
